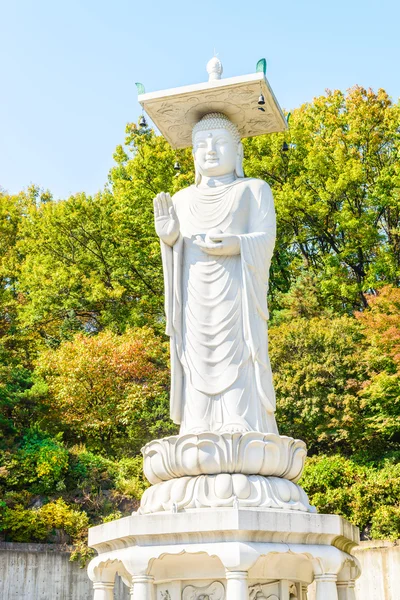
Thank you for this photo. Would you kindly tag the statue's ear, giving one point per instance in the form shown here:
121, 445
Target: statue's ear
197, 174
239, 161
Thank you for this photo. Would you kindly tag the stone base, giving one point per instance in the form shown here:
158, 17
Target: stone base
225, 554
224, 490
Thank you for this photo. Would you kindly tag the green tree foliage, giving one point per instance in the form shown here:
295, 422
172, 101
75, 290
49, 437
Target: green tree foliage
337, 377
94, 262
365, 495
109, 391
337, 194
16, 406
85, 268
380, 395
317, 376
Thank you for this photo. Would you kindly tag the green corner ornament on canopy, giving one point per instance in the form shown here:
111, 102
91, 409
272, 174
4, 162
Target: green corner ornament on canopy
140, 88
177, 110
261, 66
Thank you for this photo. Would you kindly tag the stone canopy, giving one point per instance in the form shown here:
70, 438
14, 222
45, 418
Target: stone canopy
177, 110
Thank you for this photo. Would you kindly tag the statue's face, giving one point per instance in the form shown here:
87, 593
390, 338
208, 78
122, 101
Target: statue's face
215, 152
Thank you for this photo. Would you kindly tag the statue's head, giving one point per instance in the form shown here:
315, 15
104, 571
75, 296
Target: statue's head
217, 149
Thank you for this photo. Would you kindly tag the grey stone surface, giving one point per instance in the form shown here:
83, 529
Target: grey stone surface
380, 576
380, 571
44, 572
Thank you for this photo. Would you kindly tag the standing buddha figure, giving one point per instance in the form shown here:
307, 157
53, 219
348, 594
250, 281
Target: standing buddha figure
217, 238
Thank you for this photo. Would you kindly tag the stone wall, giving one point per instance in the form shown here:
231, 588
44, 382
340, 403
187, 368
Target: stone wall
44, 572
380, 564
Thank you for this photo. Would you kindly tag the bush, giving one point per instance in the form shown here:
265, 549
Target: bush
58, 515
130, 480
40, 464
317, 377
368, 496
89, 471
386, 523
21, 524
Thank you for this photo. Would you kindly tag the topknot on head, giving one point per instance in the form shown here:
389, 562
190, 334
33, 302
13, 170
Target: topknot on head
216, 120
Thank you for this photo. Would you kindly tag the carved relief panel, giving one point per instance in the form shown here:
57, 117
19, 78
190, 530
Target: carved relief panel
169, 591
275, 590
213, 591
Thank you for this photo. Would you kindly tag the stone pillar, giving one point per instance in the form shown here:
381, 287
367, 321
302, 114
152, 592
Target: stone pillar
345, 590
326, 587
284, 590
142, 587
236, 585
304, 591
103, 590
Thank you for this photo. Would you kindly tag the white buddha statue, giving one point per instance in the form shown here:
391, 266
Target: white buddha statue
217, 239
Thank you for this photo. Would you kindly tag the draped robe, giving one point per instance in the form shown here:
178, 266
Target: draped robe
216, 310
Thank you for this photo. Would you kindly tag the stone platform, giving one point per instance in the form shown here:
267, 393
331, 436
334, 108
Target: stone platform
225, 553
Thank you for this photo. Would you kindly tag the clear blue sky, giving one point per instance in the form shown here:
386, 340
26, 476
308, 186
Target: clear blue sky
68, 68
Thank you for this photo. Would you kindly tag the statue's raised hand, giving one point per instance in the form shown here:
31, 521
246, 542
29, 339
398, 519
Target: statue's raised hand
166, 220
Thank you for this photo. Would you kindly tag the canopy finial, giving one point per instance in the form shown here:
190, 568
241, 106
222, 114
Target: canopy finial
214, 69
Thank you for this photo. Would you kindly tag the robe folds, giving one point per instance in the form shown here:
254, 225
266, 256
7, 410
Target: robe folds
216, 310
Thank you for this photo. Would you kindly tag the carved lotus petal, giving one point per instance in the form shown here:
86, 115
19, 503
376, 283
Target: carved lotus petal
223, 486
225, 490
208, 457
241, 486
189, 458
178, 490
271, 457
250, 453
253, 456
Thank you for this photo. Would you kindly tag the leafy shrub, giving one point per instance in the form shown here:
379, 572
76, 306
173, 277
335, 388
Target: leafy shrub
130, 480
82, 553
21, 524
379, 489
386, 523
12, 498
58, 515
368, 496
40, 464
323, 473
112, 516
89, 471
317, 377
